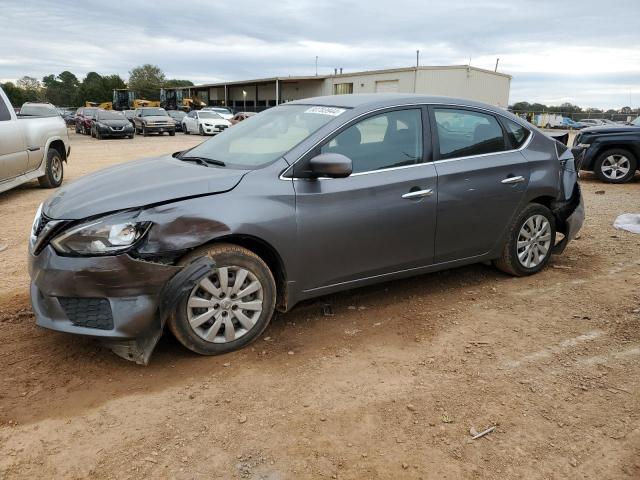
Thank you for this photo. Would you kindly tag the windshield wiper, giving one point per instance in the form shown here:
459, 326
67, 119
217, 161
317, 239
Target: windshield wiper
204, 161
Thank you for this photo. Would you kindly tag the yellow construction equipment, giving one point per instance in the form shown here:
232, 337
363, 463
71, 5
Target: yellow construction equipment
103, 105
139, 103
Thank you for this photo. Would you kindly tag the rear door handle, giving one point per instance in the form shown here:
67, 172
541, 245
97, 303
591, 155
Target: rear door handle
418, 194
510, 180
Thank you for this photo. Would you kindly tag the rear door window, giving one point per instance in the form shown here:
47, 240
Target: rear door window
517, 133
464, 133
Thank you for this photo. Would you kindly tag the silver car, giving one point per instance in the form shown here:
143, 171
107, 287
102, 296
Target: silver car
308, 198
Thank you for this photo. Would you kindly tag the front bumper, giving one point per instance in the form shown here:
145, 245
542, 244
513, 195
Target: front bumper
108, 132
126, 287
213, 130
160, 128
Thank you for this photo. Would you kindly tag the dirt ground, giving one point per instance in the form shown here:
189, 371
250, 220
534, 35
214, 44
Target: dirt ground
390, 386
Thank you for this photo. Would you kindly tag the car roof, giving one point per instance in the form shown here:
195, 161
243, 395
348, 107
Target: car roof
376, 100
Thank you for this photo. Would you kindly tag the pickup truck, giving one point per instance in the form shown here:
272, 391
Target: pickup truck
30, 148
611, 152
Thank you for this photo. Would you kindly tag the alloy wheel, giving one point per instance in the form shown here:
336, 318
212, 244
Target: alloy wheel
56, 168
225, 305
534, 241
616, 166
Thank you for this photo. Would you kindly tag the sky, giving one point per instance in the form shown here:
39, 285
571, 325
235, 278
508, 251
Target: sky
585, 52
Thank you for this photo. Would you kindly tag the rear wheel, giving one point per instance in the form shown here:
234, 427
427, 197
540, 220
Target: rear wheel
230, 307
529, 243
54, 170
615, 166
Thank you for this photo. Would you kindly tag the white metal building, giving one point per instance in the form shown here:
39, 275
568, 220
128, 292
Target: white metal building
455, 81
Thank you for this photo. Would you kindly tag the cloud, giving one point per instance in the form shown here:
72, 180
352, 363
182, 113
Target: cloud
584, 52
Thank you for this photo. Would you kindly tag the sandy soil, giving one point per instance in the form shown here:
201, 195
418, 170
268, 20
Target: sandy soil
388, 387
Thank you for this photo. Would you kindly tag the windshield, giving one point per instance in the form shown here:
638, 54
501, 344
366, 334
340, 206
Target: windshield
107, 115
89, 112
208, 115
221, 110
153, 112
176, 114
266, 137
39, 111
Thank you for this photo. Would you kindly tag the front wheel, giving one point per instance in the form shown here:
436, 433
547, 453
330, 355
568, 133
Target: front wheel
230, 307
185, 129
201, 130
531, 238
54, 170
615, 166
144, 131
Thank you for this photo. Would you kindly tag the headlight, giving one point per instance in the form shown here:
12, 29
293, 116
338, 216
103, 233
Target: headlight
208, 125
36, 223
105, 236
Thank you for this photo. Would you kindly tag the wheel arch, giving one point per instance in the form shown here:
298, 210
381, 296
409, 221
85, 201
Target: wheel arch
57, 144
268, 254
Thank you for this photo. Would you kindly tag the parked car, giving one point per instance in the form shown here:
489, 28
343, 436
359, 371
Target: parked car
109, 123
31, 148
153, 120
308, 198
592, 122
240, 116
84, 119
222, 111
570, 123
177, 116
69, 116
204, 123
33, 109
611, 152
129, 114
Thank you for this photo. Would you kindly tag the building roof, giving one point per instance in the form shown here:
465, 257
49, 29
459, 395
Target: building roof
339, 75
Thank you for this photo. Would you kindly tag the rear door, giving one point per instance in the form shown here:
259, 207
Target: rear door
482, 178
379, 220
13, 149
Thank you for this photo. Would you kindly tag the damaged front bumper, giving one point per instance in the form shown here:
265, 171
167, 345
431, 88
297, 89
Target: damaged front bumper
115, 299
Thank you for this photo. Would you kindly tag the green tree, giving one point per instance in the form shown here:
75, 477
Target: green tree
174, 82
146, 81
31, 89
15, 94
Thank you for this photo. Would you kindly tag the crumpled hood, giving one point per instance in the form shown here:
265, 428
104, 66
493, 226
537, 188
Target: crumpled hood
136, 184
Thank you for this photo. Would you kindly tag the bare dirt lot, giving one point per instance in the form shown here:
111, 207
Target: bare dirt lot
387, 387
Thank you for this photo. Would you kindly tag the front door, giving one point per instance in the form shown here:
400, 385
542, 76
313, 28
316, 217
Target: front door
379, 220
482, 178
13, 149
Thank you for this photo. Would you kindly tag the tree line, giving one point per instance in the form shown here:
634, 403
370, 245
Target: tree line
566, 108
67, 90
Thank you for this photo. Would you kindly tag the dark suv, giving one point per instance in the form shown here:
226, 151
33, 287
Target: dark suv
611, 152
84, 119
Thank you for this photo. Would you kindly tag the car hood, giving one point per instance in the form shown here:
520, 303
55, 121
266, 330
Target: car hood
137, 184
215, 121
115, 123
611, 129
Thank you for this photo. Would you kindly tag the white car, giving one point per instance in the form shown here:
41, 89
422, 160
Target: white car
204, 122
223, 112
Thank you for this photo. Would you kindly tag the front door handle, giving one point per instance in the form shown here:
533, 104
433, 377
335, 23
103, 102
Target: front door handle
510, 180
418, 194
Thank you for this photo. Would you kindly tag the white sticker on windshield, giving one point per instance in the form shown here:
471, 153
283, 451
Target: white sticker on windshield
333, 111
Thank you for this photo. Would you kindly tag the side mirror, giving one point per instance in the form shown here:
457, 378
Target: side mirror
333, 165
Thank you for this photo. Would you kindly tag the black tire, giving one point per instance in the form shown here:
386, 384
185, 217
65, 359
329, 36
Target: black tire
77, 128
226, 255
509, 261
98, 135
184, 129
630, 158
54, 170
144, 131
201, 130
129, 136
172, 133
93, 133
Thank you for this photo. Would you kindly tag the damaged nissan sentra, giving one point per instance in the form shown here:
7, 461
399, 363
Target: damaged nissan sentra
301, 200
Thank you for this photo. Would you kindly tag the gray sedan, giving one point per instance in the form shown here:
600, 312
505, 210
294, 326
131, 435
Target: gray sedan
308, 198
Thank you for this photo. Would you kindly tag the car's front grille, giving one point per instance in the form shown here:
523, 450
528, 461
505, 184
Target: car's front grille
88, 312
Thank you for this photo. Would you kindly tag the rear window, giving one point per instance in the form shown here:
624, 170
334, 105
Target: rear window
465, 133
517, 133
39, 111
